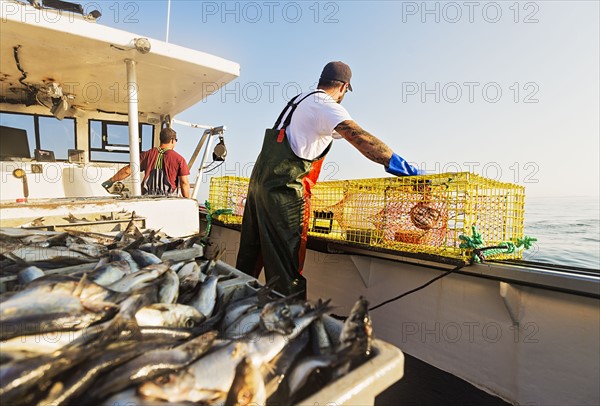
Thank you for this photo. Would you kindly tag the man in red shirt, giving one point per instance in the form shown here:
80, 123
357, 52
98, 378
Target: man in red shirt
165, 171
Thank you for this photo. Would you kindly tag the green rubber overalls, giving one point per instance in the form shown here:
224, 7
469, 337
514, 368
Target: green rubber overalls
277, 210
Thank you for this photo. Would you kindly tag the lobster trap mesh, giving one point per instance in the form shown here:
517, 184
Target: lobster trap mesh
417, 214
228, 192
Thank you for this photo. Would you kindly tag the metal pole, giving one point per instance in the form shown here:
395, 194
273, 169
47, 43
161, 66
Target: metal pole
134, 136
192, 125
168, 19
201, 168
209, 131
198, 148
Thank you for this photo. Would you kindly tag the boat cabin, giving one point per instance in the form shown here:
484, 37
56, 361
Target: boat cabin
79, 100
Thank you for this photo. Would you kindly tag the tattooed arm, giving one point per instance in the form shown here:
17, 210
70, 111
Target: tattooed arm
123, 173
369, 145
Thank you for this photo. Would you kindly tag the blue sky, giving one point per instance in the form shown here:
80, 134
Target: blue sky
508, 90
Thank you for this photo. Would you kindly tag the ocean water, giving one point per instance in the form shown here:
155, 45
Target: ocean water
567, 229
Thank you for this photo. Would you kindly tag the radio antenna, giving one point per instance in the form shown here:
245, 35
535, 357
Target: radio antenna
168, 19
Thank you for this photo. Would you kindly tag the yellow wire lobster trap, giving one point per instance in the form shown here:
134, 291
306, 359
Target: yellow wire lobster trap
416, 214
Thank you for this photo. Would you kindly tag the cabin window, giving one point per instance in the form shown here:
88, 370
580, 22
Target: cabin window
109, 140
43, 132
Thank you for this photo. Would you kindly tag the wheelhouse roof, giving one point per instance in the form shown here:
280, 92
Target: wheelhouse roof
88, 61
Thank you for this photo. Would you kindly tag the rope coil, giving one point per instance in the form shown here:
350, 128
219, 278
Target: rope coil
209, 217
480, 252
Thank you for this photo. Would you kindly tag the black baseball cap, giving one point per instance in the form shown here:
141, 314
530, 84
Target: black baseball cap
337, 71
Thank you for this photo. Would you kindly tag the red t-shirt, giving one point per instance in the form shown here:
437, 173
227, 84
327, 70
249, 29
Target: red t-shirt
174, 165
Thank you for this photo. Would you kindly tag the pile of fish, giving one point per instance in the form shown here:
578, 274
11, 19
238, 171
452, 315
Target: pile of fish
132, 328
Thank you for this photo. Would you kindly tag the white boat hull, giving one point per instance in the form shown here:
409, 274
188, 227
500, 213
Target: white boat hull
524, 344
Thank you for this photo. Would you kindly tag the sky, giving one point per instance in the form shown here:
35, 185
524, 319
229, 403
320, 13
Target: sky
508, 90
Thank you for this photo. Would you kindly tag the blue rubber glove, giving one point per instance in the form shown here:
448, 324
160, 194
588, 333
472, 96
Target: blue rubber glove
107, 184
399, 167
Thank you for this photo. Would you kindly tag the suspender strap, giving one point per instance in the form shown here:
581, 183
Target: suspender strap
290, 103
293, 106
159, 159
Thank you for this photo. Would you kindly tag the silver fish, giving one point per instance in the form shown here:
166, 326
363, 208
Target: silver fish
277, 369
193, 240
195, 383
131, 232
144, 258
177, 266
52, 282
140, 278
169, 287
301, 372
15, 356
51, 307
59, 315
41, 343
299, 308
20, 377
80, 287
273, 316
355, 339
17, 232
357, 330
238, 308
45, 240
209, 267
152, 364
248, 386
137, 300
33, 254
129, 397
7, 295
169, 315
206, 298
59, 239
109, 273
264, 346
244, 325
120, 255
189, 276
91, 250
321, 342
25, 304
29, 274
276, 316
103, 261
66, 392
248, 303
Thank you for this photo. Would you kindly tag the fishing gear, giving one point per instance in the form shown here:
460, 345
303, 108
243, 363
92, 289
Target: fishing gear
480, 252
209, 216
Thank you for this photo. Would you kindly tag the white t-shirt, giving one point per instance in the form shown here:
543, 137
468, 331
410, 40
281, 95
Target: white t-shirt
313, 123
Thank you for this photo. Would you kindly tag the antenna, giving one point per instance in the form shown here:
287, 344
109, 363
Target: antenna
168, 18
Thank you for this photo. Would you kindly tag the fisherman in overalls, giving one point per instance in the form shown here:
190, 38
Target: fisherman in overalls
165, 171
276, 214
